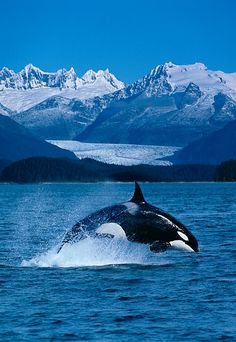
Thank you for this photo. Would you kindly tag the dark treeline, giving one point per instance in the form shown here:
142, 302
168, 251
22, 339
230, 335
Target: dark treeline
43, 169
226, 171
4, 163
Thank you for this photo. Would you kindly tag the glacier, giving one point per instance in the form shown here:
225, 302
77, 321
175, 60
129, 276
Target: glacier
119, 154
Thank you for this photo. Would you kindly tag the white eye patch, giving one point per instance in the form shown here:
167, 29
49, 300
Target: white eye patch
183, 236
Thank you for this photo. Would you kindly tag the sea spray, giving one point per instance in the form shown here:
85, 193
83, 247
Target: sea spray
94, 252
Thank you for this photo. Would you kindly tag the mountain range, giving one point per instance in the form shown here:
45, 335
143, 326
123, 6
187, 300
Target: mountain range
30, 86
16, 142
173, 105
31, 77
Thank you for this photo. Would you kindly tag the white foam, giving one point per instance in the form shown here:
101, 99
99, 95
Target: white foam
95, 252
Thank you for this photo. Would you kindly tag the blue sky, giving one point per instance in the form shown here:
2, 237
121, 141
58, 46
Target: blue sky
128, 36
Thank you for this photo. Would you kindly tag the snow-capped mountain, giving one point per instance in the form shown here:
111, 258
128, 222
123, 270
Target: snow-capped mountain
22, 90
91, 77
176, 78
59, 118
32, 77
170, 78
172, 105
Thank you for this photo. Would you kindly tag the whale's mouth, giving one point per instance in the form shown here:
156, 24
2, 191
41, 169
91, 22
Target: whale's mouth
97, 252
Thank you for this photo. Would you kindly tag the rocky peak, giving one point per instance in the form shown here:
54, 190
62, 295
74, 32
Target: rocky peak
31, 77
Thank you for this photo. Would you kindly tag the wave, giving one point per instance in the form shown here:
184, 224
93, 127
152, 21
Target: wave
95, 252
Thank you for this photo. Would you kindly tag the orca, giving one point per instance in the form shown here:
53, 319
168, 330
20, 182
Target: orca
137, 221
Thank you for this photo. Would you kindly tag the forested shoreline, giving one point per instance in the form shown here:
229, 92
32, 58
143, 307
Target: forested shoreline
44, 169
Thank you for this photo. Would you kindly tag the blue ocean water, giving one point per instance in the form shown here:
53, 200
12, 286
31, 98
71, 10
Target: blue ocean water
109, 290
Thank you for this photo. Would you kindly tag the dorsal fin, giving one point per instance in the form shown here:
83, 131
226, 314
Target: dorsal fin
138, 195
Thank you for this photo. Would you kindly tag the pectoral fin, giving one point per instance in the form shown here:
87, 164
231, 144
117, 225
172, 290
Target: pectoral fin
159, 246
73, 235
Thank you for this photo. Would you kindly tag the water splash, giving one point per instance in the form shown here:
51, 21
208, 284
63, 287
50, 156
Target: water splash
95, 252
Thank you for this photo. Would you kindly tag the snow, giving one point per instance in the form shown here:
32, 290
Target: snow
21, 100
169, 78
38, 85
179, 76
119, 154
23, 90
102, 75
